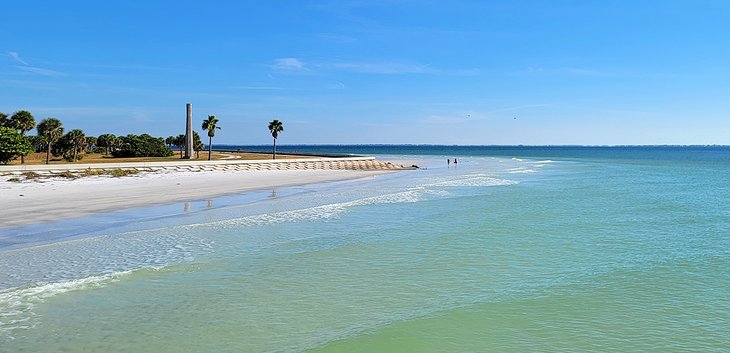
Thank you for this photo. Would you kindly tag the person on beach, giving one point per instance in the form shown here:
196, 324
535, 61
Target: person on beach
448, 161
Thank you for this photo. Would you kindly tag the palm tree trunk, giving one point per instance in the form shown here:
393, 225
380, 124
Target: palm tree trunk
22, 157
210, 146
274, 147
48, 153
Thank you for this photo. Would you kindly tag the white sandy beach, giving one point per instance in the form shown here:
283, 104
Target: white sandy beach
55, 199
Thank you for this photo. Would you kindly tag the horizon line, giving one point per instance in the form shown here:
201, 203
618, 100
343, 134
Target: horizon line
468, 145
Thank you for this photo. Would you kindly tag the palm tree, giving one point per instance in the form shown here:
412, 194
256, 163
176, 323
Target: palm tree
91, 144
275, 127
77, 143
23, 121
51, 129
197, 144
170, 140
108, 141
180, 143
210, 125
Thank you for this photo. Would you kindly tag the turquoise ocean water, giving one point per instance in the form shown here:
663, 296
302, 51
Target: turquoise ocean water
549, 249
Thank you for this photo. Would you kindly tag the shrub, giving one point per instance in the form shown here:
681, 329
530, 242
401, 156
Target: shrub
142, 146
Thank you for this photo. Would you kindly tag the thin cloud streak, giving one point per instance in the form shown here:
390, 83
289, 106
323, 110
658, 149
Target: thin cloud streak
384, 68
15, 56
40, 71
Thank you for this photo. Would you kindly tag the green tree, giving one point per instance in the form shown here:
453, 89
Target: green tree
23, 121
91, 142
51, 130
13, 144
197, 144
3, 119
179, 143
169, 141
38, 142
73, 144
210, 125
275, 127
106, 141
142, 146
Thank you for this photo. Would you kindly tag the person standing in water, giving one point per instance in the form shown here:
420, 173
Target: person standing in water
455, 161
448, 161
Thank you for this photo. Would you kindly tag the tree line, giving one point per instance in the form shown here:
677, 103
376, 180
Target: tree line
72, 145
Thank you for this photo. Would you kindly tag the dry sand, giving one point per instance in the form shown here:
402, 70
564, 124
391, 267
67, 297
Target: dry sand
50, 200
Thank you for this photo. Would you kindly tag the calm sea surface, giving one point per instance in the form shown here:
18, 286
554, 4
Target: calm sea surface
549, 249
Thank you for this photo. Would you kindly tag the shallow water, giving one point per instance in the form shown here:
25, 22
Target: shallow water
498, 254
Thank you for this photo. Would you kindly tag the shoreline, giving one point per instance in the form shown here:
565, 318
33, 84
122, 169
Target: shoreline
56, 199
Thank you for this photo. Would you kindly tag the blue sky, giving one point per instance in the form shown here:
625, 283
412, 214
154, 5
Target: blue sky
441, 72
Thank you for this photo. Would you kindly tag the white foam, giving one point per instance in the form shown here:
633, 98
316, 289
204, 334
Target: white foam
323, 212
476, 181
16, 304
521, 170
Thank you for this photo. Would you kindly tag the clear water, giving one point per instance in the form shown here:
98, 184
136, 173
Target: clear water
589, 252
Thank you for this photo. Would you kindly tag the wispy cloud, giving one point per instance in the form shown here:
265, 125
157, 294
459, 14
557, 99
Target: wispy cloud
40, 71
15, 56
338, 38
287, 64
25, 66
336, 85
384, 68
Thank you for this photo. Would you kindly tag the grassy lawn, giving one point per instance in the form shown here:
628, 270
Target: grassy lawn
40, 158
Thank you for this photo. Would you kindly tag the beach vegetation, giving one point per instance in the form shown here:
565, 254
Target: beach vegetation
122, 172
93, 172
210, 125
23, 121
13, 144
14, 180
67, 175
3, 119
275, 127
51, 130
31, 175
142, 146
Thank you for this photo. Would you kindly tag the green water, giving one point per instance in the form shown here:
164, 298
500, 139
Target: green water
498, 255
